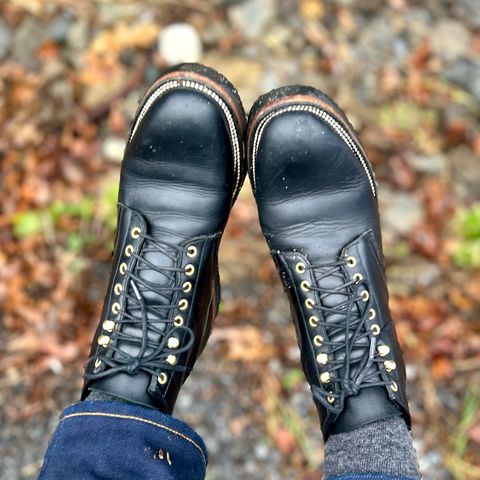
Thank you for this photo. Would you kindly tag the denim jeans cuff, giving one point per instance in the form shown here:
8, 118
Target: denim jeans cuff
129, 411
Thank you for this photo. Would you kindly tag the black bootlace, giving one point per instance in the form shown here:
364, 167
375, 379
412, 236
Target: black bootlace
149, 315
348, 319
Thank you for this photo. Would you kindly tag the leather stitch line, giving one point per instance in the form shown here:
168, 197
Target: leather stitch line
139, 419
172, 84
343, 134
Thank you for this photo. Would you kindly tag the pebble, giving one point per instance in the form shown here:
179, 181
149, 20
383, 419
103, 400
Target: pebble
468, 12
466, 74
262, 451
400, 211
436, 164
78, 35
253, 16
5, 38
404, 278
28, 38
449, 40
59, 28
113, 148
178, 43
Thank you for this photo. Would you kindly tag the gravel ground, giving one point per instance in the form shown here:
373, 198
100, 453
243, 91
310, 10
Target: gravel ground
408, 75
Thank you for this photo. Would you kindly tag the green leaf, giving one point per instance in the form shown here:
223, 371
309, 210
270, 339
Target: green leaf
467, 254
292, 378
75, 242
27, 224
471, 222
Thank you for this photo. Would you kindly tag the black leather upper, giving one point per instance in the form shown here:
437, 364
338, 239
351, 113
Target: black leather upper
179, 178
318, 210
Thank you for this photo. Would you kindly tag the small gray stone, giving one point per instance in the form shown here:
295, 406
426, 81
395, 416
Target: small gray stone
28, 38
417, 273
430, 164
78, 35
110, 13
465, 74
468, 11
5, 38
253, 16
400, 211
450, 39
59, 27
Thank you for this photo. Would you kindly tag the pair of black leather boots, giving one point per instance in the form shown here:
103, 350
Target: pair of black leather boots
184, 165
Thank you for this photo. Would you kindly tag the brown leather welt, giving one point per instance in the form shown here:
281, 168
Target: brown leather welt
306, 99
217, 87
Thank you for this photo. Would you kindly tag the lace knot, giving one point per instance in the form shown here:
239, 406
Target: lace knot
132, 368
350, 387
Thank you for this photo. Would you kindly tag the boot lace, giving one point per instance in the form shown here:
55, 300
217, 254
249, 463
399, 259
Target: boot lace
348, 355
144, 318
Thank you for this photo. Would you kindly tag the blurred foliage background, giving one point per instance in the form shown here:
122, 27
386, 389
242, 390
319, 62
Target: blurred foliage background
407, 72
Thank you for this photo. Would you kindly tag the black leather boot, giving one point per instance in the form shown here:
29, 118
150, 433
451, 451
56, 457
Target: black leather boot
182, 170
317, 201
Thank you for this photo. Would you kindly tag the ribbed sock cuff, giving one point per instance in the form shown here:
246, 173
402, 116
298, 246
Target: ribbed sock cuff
381, 447
96, 395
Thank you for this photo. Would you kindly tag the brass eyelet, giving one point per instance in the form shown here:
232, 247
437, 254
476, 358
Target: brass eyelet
300, 267
183, 304
390, 365
375, 329
123, 268
394, 387
192, 251
313, 321
325, 377
178, 321
171, 359
162, 378
372, 314
108, 325
189, 269
365, 295
98, 362
118, 288
186, 287
103, 340
358, 277
135, 233
305, 286
351, 261
173, 342
330, 399
318, 340
129, 250
116, 308
383, 350
309, 303
322, 358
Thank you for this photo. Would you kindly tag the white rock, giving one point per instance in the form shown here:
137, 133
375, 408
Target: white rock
450, 39
113, 148
178, 43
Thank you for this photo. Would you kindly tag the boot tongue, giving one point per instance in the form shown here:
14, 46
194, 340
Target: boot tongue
157, 256
334, 279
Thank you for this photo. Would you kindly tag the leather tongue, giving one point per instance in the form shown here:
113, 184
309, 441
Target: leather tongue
370, 405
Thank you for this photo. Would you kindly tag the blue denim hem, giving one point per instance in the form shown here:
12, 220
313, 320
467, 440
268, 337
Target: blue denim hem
118, 410
118, 440
368, 476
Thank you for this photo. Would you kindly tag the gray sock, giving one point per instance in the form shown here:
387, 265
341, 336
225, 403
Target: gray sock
381, 447
94, 395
